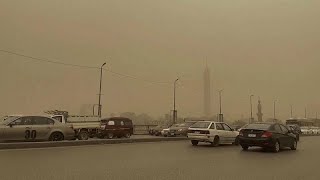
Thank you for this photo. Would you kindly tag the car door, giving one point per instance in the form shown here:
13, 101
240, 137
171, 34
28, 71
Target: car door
229, 133
287, 136
279, 135
41, 128
20, 129
221, 133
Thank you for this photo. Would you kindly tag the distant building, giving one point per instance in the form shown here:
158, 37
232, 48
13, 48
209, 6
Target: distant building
207, 92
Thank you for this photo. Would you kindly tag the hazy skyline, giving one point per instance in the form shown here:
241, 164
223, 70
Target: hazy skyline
267, 48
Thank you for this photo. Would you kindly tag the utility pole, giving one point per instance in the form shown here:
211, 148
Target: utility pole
99, 104
251, 117
291, 111
274, 110
305, 113
174, 101
220, 115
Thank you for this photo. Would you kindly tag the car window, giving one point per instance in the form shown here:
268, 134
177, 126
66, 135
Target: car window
128, 123
212, 126
58, 118
277, 128
23, 121
219, 126
42, 121
111, 123
258, 126
284, 129
201, 125
226, 127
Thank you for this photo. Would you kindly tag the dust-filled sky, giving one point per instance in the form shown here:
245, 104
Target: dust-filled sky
269, 48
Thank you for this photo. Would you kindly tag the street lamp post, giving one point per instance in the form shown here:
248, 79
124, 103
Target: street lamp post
291, 112
274, 110
220, 115
99, 104
251, 117
174, 101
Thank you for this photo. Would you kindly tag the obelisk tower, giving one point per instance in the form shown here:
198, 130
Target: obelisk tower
259, 114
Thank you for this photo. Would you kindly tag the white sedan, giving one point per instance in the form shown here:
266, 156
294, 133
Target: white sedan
212, 132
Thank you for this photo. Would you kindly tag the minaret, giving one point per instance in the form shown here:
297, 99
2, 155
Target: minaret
207, 92
259, 114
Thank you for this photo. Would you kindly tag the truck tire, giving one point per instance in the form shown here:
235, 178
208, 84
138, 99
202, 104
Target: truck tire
56, 136
83, 135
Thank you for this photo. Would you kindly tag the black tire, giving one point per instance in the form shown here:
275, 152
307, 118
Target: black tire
110, 135
244, 147
276, 147
294, 145
216, 141
56, 136
236, 142
83, 135
194, 142
127, 135
298, 137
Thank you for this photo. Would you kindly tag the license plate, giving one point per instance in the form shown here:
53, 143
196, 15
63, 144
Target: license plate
197, 132
252, 135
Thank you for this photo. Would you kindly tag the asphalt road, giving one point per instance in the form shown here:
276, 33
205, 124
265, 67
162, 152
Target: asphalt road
162, 160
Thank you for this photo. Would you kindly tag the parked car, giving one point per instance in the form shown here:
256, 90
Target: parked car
267, 135
34, 128
315, 130
157, 130
116, 127
306, 130
212, 132
180, 129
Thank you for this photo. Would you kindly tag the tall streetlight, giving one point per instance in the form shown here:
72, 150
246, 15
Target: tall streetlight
274, 110
251, 117
220, 102
99, 104
291, 111
174, 101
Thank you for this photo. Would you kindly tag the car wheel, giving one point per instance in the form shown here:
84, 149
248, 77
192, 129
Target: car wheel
194, 142
216, 141
294, 145
276, 147
236, 142
127, 135
110, 135
83, 135
56, 136
245, 148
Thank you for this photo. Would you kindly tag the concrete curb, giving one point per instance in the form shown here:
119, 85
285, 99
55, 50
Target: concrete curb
28, 145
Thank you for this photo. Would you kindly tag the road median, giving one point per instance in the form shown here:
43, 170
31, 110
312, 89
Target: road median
28, 145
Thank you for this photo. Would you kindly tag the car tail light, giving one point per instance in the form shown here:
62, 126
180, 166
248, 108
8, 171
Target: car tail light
241, 133
266, 134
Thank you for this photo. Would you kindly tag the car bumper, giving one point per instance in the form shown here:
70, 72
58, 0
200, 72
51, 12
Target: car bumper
261, 142
200, 138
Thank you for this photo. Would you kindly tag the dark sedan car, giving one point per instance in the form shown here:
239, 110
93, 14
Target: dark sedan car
295, 130
267, 135
180, 129
157, 130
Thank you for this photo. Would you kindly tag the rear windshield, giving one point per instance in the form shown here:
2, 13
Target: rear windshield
201, 125
258, 126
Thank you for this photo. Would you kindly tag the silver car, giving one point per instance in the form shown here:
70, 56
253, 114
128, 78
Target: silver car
34, 128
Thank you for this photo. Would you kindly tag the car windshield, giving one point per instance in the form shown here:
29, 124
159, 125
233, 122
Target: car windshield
8, 120
258, 126
201, 125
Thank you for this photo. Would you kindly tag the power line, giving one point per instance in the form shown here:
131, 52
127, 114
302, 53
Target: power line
80, 66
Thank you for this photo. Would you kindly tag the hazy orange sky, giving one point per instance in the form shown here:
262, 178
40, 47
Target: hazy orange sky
269, 48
